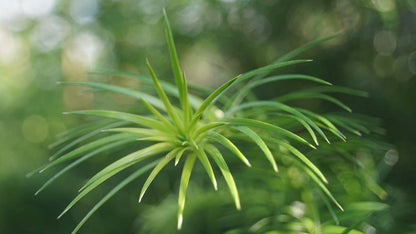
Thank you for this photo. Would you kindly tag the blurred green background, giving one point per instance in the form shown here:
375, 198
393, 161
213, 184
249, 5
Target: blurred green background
45, 41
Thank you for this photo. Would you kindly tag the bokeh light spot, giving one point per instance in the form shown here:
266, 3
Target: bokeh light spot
298, 209
35, 128
384, 5
85, 49
37, 8
391, 157
385, 42
83, 11
50, 33
10, 47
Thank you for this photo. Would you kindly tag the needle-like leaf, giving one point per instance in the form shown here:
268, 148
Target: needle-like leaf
322, 186
170, 89
84, 137
257, 139
129, 160
228, 144
117, 188
186, 174
179, 79
107, 147
244, 90
304, 159
209, 100
306, 94
116, 167
162, 95
138, 119
165, 160
267, 126
279, 106
207, 166
128, 92
219, 160
85, 148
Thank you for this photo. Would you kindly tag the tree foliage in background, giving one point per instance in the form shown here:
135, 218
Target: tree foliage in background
41, 44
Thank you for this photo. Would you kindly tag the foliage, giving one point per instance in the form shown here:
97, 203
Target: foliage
218, 126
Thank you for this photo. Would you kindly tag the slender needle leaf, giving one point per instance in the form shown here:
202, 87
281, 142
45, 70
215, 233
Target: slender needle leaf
128, 92
228, 144
116, 167
186, 174
219, 160
141, 120
104, 148
207, 165
162, 95
84, 137
267, 126
305, 160
257, 139
165, 160
85, 148
117, 188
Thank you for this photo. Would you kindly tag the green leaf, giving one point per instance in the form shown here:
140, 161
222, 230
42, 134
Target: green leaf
129, 160
179, 155
162, 95
210, 99
345, 125
179, 79
82, 149
304, 159
228, 144
326, 122
243, 92
305, 47
77, 132
117, 188
158, 115
128, 92
186, 174
207, 165
340, 229
165, 160
219, 160
137, 131
306, 94
169, 88
338, 89
104, 148
330, 209
267, 126
283, 107
84, 137
312, 173
257, 139
200, 131
306, 126
261, 70
367, 206
141, 120
269, 68
116, 167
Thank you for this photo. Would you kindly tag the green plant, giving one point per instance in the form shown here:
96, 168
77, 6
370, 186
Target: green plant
198, 129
